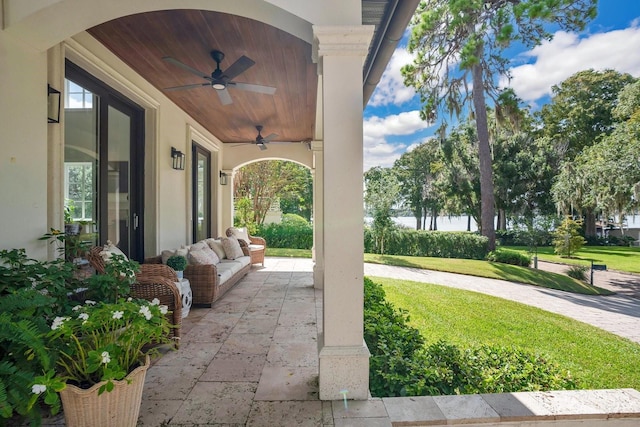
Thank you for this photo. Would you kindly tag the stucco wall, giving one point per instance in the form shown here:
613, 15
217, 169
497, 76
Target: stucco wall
23, 146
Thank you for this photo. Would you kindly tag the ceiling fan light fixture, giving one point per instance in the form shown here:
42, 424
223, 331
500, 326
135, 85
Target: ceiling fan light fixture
218, 86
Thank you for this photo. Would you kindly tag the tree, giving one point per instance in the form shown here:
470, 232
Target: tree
455, 38
579, 117
265, 182
460, 174
381, 193
581, 110
567, 238
418, 172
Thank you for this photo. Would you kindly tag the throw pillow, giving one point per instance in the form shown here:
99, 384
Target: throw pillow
203, 257
109, 250
168, 253
231, 247
216, 245
241, 233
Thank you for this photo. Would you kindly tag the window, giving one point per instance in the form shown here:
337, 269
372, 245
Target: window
77, 96
78, 190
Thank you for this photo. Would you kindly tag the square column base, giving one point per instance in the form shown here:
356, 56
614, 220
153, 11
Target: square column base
344, 368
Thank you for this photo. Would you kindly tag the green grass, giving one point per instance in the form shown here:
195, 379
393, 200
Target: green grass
597, 358
288, 253
491, 270
621, 258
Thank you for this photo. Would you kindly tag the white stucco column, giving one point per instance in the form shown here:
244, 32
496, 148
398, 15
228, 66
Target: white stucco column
226, 200
344, 357
318, 215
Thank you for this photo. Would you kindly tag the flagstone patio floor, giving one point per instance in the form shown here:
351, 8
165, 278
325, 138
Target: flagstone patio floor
252, 360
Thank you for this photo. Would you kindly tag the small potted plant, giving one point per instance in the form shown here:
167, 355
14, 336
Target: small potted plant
178, 263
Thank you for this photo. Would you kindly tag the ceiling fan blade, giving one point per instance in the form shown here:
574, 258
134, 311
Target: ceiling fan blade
224, 96
186, 67
240, 66
262, 147
253, 88
270, 137
187, 86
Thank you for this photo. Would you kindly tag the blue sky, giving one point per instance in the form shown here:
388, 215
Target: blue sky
612, 41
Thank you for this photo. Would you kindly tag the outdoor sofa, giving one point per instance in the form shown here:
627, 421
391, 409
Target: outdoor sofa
214, 266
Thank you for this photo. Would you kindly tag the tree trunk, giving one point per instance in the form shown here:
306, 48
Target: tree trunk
434, 219
590, 223
468, 222
484, 155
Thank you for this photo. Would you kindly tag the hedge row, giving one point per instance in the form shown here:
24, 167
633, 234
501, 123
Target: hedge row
287, 235
401, 365
442, 244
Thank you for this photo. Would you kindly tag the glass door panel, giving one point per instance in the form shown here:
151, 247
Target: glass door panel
118, 208
81, 160
201, 193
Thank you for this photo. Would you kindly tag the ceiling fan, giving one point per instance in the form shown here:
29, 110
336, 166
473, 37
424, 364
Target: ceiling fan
222, 80
262, 141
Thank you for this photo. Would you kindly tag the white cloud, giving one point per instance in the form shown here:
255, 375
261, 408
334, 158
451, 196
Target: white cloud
567, 54
379, 149
391, 88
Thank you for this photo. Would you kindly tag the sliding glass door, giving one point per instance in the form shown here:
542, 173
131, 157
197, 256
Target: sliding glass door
201, 196
104, 167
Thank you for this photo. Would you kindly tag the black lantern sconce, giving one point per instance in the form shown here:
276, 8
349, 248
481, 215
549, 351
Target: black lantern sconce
53, 105
177, 158
223, 178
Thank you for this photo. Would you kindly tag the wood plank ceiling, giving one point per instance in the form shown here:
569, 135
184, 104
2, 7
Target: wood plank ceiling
281, 61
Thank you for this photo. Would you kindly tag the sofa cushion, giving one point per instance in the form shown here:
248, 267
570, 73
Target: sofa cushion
225, 270
231, 247
216, 246
204, 256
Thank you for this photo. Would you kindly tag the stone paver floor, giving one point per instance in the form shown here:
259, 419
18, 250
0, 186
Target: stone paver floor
251, 359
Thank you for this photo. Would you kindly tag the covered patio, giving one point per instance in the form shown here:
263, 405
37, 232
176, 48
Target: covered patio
120, 124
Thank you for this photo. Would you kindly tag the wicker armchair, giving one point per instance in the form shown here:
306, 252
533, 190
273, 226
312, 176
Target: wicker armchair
153, 281
146, 270
256, 248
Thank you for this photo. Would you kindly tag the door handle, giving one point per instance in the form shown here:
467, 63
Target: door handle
135, 221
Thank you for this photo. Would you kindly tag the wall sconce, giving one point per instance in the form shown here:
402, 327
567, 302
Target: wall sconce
177, 159
223, 178
53, 105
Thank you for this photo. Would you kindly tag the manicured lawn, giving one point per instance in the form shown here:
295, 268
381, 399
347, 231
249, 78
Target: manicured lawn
288, 253
621, 258
597, 358
492, 270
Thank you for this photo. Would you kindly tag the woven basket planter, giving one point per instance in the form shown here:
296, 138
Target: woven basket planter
118, 408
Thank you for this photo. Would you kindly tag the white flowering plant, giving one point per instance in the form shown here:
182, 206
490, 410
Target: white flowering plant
105, 341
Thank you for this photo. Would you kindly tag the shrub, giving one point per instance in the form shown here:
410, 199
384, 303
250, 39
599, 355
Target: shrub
31, 294
394, 345
507, 256
487, 369
400, 365
442, 244
567, 239
578, 272
294, 232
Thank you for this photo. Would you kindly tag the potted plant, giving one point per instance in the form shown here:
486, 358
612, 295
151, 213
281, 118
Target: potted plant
104, 347
178, 263
101, 350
